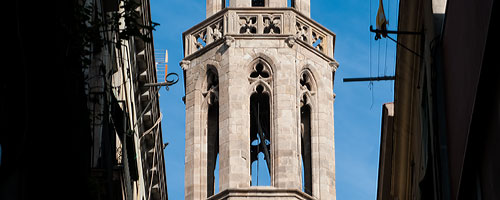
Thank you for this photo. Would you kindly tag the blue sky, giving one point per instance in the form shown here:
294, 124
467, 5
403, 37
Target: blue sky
357, 107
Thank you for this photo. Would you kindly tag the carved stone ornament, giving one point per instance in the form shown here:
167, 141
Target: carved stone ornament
248, 24
334, 65
272, 24
229, 40
185, 64
290, 41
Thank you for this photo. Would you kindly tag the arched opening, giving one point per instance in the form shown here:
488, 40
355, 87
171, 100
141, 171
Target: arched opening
260, 138
308, 88
212, 128
305, 133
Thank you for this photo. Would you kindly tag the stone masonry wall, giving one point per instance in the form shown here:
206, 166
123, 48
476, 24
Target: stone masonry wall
234, 63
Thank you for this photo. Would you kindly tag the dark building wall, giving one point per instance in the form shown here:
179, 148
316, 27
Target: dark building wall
46, 135
460, 108
463, 46
481, 164
44, 122
386, 152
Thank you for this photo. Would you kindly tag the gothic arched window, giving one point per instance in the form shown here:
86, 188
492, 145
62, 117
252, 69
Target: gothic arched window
211, 95
305, 133
260, 124
307, 88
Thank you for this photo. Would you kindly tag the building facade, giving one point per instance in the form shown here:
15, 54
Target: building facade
439, 137
91, 129
125, 119
259, 88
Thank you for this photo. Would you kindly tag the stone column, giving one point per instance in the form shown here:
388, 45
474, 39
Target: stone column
234, 141
286, 153
193, 140
325, 143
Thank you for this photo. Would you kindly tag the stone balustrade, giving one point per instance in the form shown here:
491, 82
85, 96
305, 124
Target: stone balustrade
263, 22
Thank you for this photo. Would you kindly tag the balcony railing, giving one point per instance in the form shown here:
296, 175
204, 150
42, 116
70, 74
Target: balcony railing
262, 22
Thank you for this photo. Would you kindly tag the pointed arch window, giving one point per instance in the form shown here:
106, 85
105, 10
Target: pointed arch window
260, 124
260, 137
305, 144
211, 96
308, 88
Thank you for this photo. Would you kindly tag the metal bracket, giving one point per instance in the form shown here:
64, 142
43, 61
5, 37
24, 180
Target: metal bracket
385, 32
166, 83
379, 78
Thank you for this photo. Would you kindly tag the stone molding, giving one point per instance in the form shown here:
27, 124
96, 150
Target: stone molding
260, 192
229, 40
290, 41
185, 64
334, 65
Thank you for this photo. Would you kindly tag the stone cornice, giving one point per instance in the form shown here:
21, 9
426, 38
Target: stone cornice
230, 39
262, 192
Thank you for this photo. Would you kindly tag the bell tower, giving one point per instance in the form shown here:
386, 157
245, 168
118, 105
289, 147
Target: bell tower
259, 100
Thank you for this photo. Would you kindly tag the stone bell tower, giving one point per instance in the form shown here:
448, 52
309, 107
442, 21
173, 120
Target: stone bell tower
259, 92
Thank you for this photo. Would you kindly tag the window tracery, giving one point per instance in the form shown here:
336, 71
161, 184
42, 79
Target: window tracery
272, 24
248, 24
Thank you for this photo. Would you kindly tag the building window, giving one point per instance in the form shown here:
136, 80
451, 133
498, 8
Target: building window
260, 137
258, 3
212, 127
260, 124
307, 88
305, 133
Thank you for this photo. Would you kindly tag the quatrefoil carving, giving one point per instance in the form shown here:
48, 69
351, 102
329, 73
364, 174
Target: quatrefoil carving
272, 24
248, 24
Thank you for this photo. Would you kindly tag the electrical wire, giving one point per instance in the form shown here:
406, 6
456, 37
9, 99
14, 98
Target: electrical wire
370, 84
389, 18
154, 126
402, 45
378, 59
385, 59
370, 39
